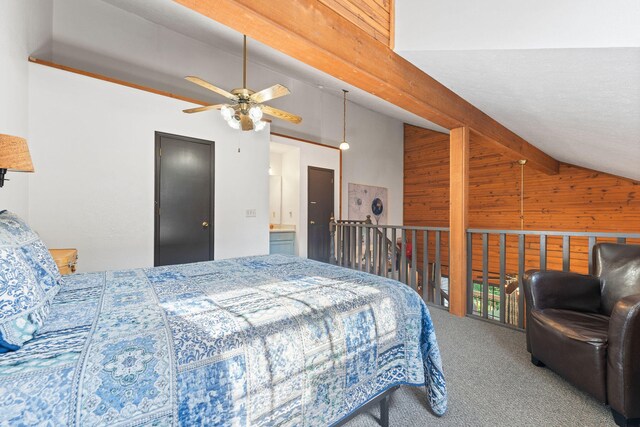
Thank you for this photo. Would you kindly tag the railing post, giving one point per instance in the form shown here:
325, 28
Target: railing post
332, 247
385, 255
403, 256
437, 267
426, 293
414, 256
503, 266
352, 246
394, 253
367, 250
458, 219
485, 275
566, 253
469, 272
592, 243
521, 267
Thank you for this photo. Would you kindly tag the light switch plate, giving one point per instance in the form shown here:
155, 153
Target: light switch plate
251, 213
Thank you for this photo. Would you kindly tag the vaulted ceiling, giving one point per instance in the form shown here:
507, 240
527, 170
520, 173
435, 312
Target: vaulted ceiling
563, 75
175, 17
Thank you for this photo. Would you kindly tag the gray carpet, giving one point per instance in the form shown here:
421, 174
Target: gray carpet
491, 382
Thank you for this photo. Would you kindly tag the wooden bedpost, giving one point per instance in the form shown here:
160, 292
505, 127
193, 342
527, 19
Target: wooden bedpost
458, 219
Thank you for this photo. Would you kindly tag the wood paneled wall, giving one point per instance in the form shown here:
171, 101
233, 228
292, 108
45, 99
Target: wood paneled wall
373, 16
576, 199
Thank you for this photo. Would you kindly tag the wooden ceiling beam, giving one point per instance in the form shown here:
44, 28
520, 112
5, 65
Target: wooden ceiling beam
313, 33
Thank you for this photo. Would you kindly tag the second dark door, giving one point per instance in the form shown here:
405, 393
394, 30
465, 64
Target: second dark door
184, 199
320, 210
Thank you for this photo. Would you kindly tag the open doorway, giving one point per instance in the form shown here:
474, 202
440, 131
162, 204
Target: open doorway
290, 161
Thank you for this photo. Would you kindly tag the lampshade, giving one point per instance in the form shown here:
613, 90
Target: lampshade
14, 154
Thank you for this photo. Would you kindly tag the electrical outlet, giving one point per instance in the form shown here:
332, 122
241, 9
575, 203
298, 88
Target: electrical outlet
251, 213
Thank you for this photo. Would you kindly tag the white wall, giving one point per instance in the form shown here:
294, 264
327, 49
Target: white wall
291, 186
375, 157
275, 163
310, 155
93, 144
25, 27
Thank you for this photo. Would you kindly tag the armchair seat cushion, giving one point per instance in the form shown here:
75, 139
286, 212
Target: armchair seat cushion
586, 327
569, 342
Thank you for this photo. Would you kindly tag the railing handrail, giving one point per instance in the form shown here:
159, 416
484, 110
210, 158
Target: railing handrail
397, 227
602, 234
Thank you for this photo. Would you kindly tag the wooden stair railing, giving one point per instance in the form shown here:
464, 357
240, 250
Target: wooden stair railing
383, 250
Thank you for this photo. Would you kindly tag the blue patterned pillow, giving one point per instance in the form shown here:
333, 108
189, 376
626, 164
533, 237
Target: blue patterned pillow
29, 279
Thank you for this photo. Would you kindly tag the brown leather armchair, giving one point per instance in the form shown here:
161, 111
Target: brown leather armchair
587, 328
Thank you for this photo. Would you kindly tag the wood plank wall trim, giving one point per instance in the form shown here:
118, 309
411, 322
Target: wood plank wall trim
116, 81
458, 219
577, 199
122, 83
313, 33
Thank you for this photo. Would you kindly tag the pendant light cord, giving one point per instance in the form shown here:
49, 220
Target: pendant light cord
522, 163
344, 122
244, 67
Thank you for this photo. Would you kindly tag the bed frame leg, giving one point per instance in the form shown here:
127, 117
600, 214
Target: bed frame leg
384, 412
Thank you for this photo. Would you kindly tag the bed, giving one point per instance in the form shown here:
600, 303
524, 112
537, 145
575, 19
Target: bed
269, 340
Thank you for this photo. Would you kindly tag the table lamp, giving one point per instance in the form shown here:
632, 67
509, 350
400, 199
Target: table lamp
14, 155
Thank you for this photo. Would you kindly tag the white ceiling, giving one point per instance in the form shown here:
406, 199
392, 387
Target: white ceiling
564, 75
509, 24
171, 15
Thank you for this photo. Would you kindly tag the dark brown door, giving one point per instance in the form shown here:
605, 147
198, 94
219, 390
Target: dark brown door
184, 199
320, 210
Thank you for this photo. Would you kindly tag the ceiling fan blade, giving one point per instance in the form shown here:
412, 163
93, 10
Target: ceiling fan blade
270, 93
246, 122
207, 85
279, 114
205, 108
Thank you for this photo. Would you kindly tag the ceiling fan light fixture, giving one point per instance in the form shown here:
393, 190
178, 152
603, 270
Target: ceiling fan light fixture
344, 145
258, 126
255, 113
246, 107
227, 112
234, 122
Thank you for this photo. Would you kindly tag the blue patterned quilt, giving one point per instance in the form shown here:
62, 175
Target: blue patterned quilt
257, 341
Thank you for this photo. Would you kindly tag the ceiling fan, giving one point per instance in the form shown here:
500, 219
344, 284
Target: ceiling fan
246, 109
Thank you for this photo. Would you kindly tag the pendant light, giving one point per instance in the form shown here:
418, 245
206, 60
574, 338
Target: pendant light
344, 145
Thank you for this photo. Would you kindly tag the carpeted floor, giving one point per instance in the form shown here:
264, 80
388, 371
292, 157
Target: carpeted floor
491, 382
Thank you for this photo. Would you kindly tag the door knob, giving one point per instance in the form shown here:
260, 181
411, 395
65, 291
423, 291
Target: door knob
205, 224
312, 222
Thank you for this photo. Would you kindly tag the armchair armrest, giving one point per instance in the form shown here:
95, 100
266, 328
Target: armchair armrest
623, 366
562, 290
